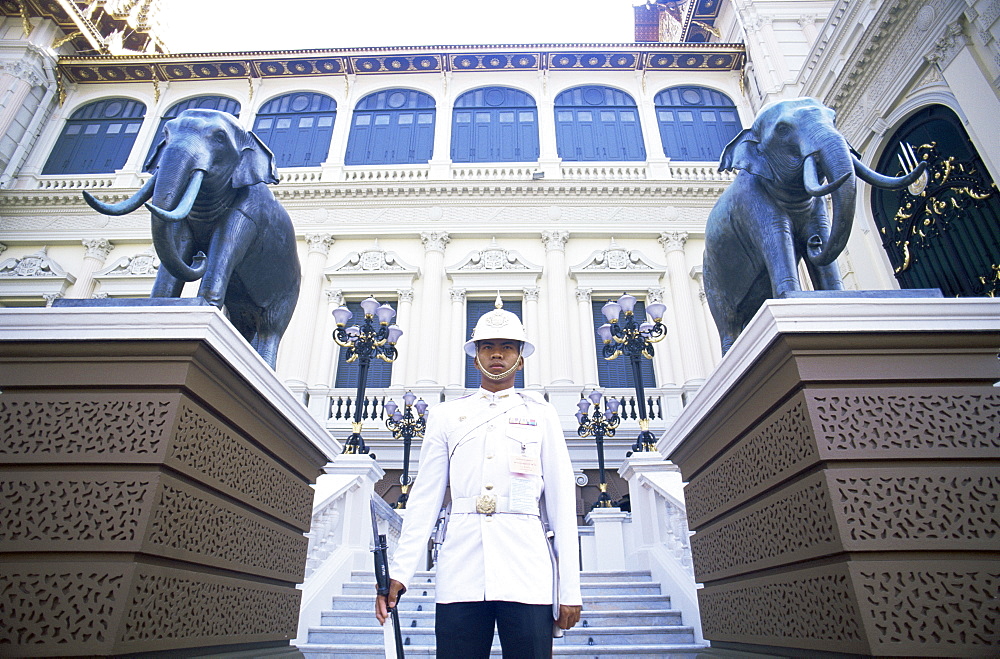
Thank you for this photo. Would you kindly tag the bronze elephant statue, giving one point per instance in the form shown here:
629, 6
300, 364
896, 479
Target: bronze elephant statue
215, 219
774, 213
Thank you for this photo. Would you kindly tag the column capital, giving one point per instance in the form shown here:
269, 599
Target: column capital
555, 240
97, 248
435, 241
320, 243
673, 240
530, 293
405, 294
457, 294
335, 297
51, 297
583, 294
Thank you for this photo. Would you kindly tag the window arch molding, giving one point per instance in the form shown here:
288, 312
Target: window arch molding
297, 127
695, 122
597, 123
97, 138
206, 102
393, 126
494, 124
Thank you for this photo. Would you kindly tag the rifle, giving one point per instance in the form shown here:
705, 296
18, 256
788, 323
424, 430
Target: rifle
382, 579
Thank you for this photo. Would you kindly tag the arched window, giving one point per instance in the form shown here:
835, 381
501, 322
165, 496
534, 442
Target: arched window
617, 373
945, 233
597, 123
97, 138
494, 124
696, 123
473, 310
199, 102
297, 128
392, 127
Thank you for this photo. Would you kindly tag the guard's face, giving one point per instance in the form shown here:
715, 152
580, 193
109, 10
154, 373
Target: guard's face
499, 355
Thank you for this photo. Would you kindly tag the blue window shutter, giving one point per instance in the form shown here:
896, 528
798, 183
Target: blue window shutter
220, 103
297, 127
97, 138
494, 124
696, 123
392, 127
595, 123
379, 373
473, 310
617, 373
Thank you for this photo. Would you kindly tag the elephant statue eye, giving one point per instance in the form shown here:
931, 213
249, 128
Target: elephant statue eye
782, 130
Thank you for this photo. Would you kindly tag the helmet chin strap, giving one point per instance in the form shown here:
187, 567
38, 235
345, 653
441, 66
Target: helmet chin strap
498, 376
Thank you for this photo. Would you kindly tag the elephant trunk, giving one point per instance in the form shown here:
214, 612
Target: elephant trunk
832, 161
887, 182
170, 235
125, 207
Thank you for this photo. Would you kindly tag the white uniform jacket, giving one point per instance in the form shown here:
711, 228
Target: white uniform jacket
471, 444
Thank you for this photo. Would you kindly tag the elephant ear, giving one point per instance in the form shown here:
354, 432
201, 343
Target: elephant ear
256, 164
744, 153
154, 158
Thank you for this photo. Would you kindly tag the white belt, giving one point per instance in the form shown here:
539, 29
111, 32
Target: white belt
486, 504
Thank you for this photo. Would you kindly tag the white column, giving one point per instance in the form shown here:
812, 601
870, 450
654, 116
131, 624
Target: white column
588, 339
712, 352
663, 357
548, 149
555, 285
402, 369
456, 356
680, 291
440, 161
609, 537
306, 339
97, 253
532, 327
428, 336
325, 365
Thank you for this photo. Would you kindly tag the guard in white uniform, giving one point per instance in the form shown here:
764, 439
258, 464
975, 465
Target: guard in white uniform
505, 458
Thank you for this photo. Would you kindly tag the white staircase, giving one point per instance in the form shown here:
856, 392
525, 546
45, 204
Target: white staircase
624, 615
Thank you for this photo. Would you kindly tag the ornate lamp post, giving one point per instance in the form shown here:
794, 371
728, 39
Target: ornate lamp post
600, 426
625, 335
406, 426
364, 342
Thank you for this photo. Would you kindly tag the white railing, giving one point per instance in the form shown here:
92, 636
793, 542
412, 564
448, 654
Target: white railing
393, 174
699, 171
604, 172
496, 173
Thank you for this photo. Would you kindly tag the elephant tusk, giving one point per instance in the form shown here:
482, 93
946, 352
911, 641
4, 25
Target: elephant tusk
810, 179
887, 182
186, 203
125, 207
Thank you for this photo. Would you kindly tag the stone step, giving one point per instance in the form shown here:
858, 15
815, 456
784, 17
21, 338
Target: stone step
425, 618
590, 602
630, 651
592, 636
591, 588
585, 577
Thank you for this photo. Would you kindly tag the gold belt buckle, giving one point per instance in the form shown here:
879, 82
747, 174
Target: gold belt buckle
486, 504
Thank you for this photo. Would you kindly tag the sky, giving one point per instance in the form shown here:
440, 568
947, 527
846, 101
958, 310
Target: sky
242, 25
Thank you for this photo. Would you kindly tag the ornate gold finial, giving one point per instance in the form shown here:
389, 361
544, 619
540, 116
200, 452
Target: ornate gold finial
25, 20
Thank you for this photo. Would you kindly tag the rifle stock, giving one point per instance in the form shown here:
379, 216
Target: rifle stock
380, 553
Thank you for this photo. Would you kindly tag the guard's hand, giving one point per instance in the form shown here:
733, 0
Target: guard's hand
395, 590
568, 616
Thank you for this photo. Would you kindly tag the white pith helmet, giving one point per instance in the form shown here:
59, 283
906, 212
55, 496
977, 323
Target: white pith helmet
499, 324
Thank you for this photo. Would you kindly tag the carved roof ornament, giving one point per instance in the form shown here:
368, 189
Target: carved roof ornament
493, 258
34, 265
373, 259
616, 257
143, 264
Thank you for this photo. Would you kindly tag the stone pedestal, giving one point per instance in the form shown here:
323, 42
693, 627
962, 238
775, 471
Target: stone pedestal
608, 537
154, 486
843, 464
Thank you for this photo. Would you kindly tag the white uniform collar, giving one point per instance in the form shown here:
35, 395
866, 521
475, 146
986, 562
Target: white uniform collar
494, 395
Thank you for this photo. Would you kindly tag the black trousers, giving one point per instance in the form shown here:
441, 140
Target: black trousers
464, 630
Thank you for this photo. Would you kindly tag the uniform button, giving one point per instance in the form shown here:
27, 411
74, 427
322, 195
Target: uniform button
490, 427
489, 518
489, 456
489, 486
